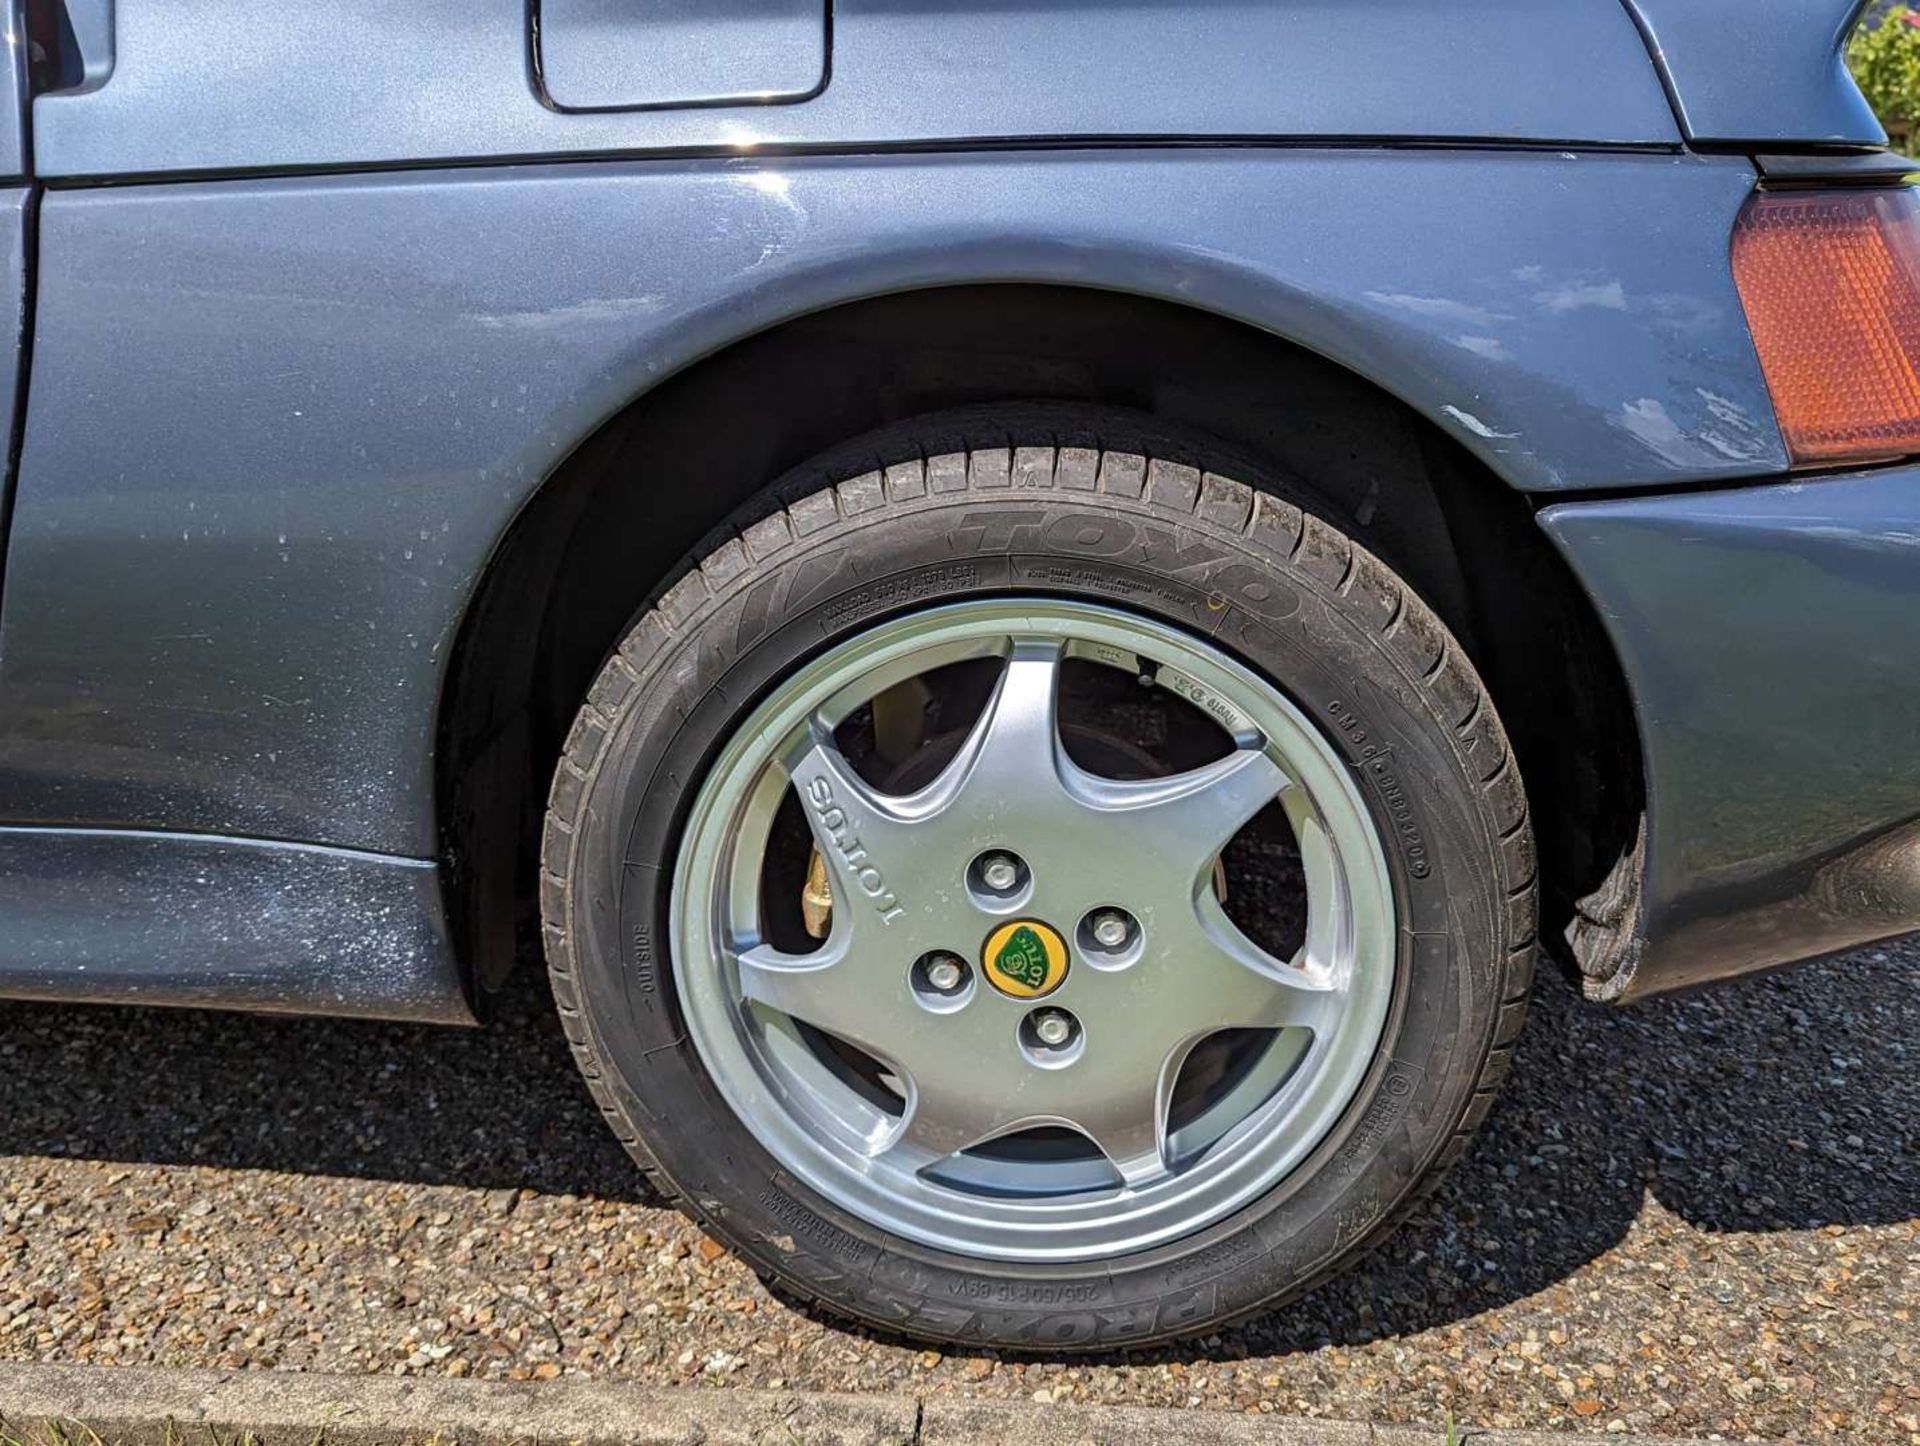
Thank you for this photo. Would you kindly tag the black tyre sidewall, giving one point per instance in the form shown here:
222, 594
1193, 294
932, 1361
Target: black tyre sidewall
702, 673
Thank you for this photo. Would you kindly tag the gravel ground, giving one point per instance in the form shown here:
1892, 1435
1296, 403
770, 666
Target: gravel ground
1695, 1216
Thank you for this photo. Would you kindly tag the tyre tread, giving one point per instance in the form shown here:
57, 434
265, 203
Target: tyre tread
1343, 573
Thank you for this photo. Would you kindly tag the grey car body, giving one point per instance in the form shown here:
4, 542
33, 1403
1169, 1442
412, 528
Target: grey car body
351, 338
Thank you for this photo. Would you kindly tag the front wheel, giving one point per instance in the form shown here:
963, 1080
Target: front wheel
1040, 896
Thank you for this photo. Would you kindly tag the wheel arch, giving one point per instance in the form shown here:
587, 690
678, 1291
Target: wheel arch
622, 515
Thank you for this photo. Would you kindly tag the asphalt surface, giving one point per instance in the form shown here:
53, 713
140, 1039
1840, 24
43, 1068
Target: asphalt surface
1700, 1215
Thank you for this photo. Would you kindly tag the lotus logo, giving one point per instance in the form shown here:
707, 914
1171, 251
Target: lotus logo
1025, 959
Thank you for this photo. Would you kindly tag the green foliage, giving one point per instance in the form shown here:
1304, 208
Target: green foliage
1885, 59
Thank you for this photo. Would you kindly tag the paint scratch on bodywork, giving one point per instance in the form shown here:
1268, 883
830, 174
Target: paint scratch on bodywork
1474, 425
1573, 295
1442, 307
1649, 421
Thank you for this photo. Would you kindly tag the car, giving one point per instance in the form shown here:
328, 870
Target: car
1046, 601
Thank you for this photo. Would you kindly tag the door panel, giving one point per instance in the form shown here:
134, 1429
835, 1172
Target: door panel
13, 94
16, 215
225, 85
633, 54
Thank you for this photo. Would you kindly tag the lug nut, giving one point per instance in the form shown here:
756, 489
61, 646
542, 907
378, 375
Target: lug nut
1052, 1028
1051, 1038
1000, 872
1110, 928
940, 981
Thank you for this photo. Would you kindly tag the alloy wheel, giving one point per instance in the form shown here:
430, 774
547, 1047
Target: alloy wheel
1024, 956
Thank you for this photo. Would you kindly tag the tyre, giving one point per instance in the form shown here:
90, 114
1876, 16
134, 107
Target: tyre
1040, 896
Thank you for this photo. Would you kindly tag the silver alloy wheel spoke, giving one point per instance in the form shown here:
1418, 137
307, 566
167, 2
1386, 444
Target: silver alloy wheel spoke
1194, 814
943, 1122
1253, 990
967, 1072
849, 819
1015, 744
1118, 1106
800, 985
1123, 1110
